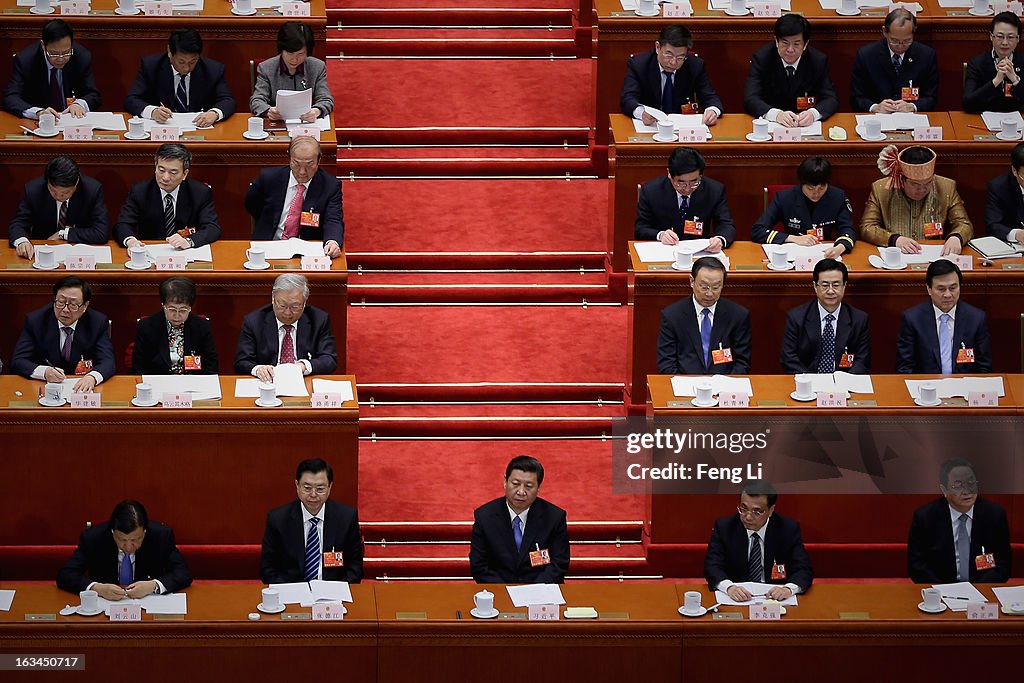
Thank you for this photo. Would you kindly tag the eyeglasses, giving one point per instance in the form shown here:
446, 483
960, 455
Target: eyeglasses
60, 55
687, 184
318, 490
178, 310
969, 486
750, 512
70, 305
291, 308
830, 285
1005, 38
708, 288
900, 43
670, 57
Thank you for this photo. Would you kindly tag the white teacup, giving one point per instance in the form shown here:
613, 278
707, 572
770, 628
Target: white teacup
243, 6
137, 256
127, 6
54, 391
980, 6
257, 257
684, 257
89, 601
144, 393
932, 597
872, 128
849, 6
928, 392
484, 601
804, 386
703, 390
892, 257
268, 392
779, 258
136, 126
271, 598
691, 602
646, 6
738, 6
761, 128
47, 122
255, 125
1008, 127
42, 5
46, 257
666, 129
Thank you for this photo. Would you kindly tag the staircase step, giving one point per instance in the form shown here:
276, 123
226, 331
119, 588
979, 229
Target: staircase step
581, 263
417, 532
412, 13
443, 160
382, 568
351, 137
459, 551
491, 391
374, 46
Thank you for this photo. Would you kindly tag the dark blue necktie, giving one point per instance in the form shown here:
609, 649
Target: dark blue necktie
312, 564
827, 362
517, 532
705, 333
666, 94
180, 95
125, 575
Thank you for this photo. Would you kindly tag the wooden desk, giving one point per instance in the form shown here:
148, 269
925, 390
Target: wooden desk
222, 158
227, 293
768, 295
211, 472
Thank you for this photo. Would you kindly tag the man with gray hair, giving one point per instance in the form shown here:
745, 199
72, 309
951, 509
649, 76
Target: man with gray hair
169, 206
286, 331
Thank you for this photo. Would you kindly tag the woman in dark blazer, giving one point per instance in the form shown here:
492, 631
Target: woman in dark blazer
173, 341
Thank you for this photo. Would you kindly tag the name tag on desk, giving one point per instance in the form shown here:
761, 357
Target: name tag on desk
295, 9
164, 133
80, 262
963, 261
692, 135
676, 9
158, 9
325, 400
78, 132
831, 399
170, 400
733, 399
766, 612
328, 612
928, 132
170, 263
982, 610
126, 612
85, 399
910, 7
805, 262
543, 613
768, 10
306, 132
315, 262
982, 399
783, 134
74, 7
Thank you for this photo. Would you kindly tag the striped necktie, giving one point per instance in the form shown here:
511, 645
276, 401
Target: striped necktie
755, 564
169, 228
312, 551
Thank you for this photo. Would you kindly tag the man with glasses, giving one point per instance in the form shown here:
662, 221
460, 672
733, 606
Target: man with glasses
757, 545
704, 334
1004, 201
53, 76
313, 537
66, 339
959, 537
827, 335
298, 200
895, 74
286, 331
670, 79
993, 77
684, 205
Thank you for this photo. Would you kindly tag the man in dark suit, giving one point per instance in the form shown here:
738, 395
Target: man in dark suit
1004, 202
827, 335
670, 79
757, 545
993, 79
53, 76
684, 205
181, 81
312, 537
789, 82
895, 74
943, 335
61, 205
126, 557
173, 341
286, 331
66, 338
959, 537
703, 333
169, 206
520, 538
298, 200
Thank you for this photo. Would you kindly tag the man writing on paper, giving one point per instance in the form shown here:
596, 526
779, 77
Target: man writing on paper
943, 335
65, 339
683, 204
61, 205
959, 537
53, 76
286, 331
993, 82
298, 200
169, 206
895, 74
827, 335
671, 79
520, 538
126, 557
182, 81
1004, 201
704, 334
789, 82
914, 204
757, 545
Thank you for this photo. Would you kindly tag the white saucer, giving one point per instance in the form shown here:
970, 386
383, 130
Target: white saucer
675, 266
789, 266
482, 615
249, 136
43, 401
987, 12
267, 610
712, 404
235, 11
140, 404
1006, 610
699, 613
129, 136
876, 261
941, 608
847, 13
81, 612
41, 134
130, 266
273, 404
659, 138
754, 138
35, 264
127, 14
652, 13
803, 399
250, 266
860, 132
921, 403
742, 13
35, 10
1000, 136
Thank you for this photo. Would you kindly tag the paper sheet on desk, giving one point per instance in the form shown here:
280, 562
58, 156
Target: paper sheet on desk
724, 4
813, 129
203, 253
835, 4
757, 590
202, 387
101, 252
6, 599
949, 387
294, 103
1007, 595
958, 595
169, 603
950, 4
289, 380
795, 251
305, 594
536, 594
323, 123
929, 253
277, 250
98, 120
334, 386
841, 381
189, 4
657, 252
181, 120
69, 387
994, 119
896, 121
684, 385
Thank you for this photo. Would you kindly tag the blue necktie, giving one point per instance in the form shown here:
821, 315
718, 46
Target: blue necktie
963, 549
666, 94
125, 577
312, 551
517, 532
897, 61
705, 333
945, 344
827, 361
180, 95
684, 207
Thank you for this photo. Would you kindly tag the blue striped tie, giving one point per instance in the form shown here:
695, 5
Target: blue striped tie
312, 550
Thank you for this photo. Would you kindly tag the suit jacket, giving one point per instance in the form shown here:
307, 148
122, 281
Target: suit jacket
658, 209
931, 557
151, 354
314, 341
493, 557
39, 343
283, 556
979, 93
679, 347
801, 342
783, 544
269, 80
36, 218
95, 559
154, 84
1004, 206
874, 78
877, 225
689, 84
917, 347
30, 81
142, 215
768, 87
264, 201
790, 208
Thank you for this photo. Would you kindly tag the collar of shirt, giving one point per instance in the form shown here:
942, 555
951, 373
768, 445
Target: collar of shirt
822, 312
938, 314
795, 65
185, 77
760, 532
699, 308
954, 515
282, 68
73, 326
292, 182
319, 515
280, 328
120, 557
173, 195
903, 57
512, 514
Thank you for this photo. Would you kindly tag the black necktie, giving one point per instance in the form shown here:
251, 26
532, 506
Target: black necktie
684, 207
897, 62
790, 71
755, 563
666, 94
57, 100
168, 216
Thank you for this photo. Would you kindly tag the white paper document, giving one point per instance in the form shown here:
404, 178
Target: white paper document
101, 252
334, 386
841, 381
278, 250
958, 595
323, 123
795, 251
305, 594
949, 387
288, 381
97, 120
6, 599
292, 104
69, 387
758, 590
994, 119
685, 385
170, 603
951, 4
203, 253
1007, 595
724, 4
536, 594
896, 121
835, 4
293, 593
657, 252
202, 387
929, 253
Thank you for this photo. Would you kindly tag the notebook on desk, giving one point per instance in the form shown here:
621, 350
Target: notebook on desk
993, 247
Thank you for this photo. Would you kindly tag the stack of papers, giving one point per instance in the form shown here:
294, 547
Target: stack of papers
6, 599
656, 252
288, 381
1007, 595
334, 386
724, 4
102, 253
950, 4
278, 250
929, 253
171, 603
536, 594
840, 381
958, 595
307, 594
323, 123
897, 121
202, 387
98, 120
203, 253
684, 385
992, 247
294, 103
758, 590
956, 386
181, 120
994, 119
795, 251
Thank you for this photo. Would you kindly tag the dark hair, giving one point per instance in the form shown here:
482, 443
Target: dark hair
790, 25
827, 265
293, 36
759, 487
174, 150
62, 171
814, 171
1005, 18
178, 289
185, 41
314, 466
676, 36
128, 515
900, 15
54, 30
525, 463
951, 465
708, 262
917, 155
685, 160
72, 282
1017, 156
942, 267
